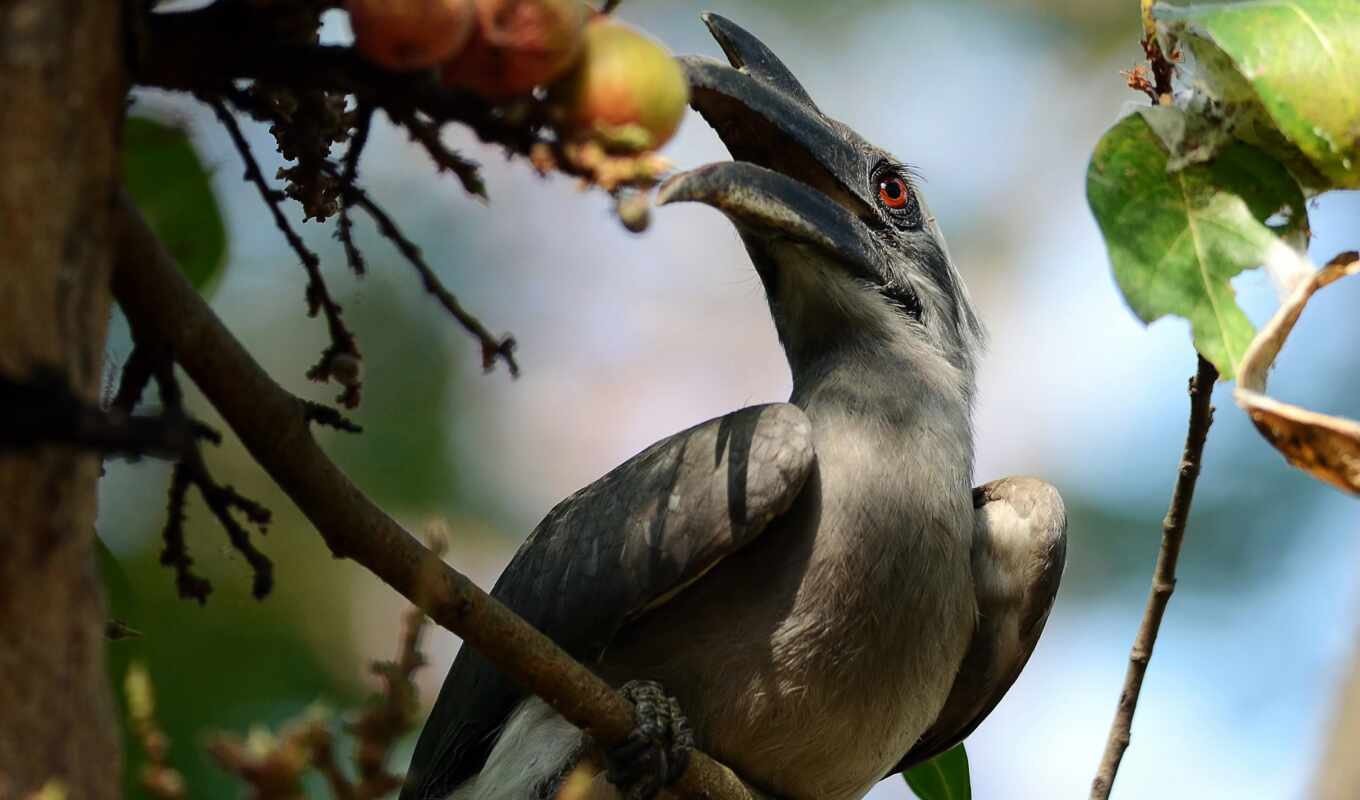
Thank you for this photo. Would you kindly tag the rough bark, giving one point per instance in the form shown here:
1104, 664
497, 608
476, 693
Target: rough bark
61, 93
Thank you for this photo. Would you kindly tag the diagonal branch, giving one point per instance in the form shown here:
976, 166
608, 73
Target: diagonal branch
272, 424
1163, 576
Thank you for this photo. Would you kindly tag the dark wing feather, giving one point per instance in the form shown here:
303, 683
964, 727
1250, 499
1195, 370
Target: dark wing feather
1019, 548
625, 543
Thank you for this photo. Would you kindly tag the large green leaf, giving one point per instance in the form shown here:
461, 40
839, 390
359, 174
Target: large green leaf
1176, 239
1301, 58
169, 184
944, 777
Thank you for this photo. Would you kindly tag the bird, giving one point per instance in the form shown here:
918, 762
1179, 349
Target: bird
810, 591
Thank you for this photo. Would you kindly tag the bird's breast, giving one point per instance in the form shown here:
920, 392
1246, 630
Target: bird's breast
814, 659
881, 620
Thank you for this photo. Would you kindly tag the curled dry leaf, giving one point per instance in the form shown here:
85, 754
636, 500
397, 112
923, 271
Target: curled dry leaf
1326, 447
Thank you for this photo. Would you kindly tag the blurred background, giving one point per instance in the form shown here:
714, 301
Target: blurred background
625, 339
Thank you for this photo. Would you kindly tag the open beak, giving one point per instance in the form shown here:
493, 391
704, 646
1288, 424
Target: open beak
771, 205
797, 176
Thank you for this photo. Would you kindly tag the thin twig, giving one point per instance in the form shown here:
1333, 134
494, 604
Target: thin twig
352, 194
492, 347
345, 227
426, 134
1163, 64
318, 295
221, 500
329, 417
136, 374
273, 428
1163, 576
150, 361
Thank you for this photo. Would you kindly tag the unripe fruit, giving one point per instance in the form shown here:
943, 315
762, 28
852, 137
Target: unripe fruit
517, 45
628, 93
404, 35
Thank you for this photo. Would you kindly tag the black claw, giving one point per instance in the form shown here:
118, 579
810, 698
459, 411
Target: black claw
656, 753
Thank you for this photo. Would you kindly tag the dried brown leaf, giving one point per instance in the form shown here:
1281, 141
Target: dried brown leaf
1326, 447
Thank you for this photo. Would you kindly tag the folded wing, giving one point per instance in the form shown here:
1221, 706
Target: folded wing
1019, 548
622, 545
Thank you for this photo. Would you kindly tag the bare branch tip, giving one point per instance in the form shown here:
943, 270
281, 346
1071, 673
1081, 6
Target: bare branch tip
329, 417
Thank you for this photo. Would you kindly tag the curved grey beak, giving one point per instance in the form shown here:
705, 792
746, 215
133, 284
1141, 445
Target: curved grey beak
774, 206
797, 175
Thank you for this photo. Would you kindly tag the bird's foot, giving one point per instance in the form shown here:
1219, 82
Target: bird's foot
656, 753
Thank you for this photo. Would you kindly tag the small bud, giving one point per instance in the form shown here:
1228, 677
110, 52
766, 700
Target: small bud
347, 370
634, 210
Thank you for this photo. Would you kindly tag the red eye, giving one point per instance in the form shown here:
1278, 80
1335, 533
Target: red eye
893, 192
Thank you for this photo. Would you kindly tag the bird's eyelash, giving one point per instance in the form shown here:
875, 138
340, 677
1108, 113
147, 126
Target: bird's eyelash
911, 173
904, 298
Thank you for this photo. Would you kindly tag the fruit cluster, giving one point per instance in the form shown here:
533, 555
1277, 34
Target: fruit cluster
606, 83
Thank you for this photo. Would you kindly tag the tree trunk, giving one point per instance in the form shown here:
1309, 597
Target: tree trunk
61, 94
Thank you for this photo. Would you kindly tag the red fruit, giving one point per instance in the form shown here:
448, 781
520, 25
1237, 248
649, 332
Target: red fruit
627, 93
404, 35
518, 44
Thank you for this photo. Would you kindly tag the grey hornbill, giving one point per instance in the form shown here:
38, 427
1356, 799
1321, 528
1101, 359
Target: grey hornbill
815, 583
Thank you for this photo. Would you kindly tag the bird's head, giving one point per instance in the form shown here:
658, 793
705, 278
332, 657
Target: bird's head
854, 266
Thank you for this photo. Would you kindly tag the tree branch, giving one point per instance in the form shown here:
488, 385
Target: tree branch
1163, 576
44, 409
273, 426
200, 51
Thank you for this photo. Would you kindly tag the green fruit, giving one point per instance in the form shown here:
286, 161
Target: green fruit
627, 93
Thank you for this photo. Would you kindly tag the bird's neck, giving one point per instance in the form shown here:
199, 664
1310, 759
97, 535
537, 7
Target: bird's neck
894, 447
903, 408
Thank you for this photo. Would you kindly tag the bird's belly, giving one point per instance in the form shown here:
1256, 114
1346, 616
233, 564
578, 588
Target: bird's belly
813, 688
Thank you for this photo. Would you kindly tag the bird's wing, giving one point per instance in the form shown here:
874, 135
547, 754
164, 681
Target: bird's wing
1019, 548
624, 544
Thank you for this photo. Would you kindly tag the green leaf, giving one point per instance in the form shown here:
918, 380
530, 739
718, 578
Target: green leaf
944, 777
1301, 59
169, 184
1176, 239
